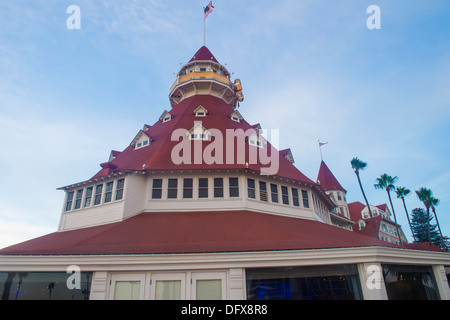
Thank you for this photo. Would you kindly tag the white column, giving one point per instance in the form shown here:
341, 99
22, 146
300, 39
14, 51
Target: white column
236, 284
372, 281
99, 286
442, 282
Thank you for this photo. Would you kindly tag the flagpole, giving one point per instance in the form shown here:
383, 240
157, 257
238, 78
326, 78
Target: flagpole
320, 148
204, 19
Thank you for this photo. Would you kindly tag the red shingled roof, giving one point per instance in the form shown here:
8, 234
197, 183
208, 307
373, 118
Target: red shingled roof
157, 156
203, 54
327, 180
195, 232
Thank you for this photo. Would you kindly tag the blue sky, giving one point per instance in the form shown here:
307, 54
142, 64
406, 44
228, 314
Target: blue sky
309, 68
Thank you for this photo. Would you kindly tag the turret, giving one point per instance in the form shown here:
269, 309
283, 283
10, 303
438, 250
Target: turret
204, 75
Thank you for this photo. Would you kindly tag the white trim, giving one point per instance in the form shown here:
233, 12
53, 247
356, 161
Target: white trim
202, 261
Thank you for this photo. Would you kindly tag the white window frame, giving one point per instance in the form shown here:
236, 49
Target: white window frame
130, 277
195, 276
168, 277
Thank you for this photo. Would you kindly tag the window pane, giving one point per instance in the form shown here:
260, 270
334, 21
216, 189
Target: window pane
203, 182
69, 201
234, 187
218, 182
340, 282
262, 191
305, 199
209, 290
87, 199
157, 183
120, 183
285, 195
98, 194
274, 192
251, 188
42, 286
218, 187
157, 189
295, 200
78, 199
168, 290
156, 193
203, 188
408, 282
187, 188
108, 191
119, 191
109, 186
127, 290
172, 192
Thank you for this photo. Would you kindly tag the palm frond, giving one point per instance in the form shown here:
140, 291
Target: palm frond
357, 164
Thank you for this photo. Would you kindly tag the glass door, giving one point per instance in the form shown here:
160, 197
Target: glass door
127, 287
208, 286
168, 286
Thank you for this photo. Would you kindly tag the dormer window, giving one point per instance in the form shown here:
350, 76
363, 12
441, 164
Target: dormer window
141, 140
165, 117
236, 116
199, 132
255, 139
200, 111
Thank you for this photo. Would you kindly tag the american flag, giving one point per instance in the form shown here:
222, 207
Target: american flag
208, 9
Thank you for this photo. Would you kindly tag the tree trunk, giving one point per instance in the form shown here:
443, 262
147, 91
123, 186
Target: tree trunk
428, 226
439, 228
395, 218
409, 222
367, 203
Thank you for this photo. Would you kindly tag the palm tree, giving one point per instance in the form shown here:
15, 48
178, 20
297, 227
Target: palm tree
402, 192
434, 203
360, 165
425, 196
386, 182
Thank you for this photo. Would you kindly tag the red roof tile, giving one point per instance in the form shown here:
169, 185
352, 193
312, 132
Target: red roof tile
203, 54
157, 156
195, 232
327, 180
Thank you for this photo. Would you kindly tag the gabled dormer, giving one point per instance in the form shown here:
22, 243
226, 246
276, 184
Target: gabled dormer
113, 155
146, 127
255, 138
199, 132
141, 140
200, 111
166, 116
288, 155
236, 116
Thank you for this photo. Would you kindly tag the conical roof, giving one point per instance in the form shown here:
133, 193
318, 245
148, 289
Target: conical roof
164, 141
327, 180
203, 54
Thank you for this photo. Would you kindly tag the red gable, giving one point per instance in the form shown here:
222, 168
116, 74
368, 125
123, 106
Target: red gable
203, 54
327, 180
